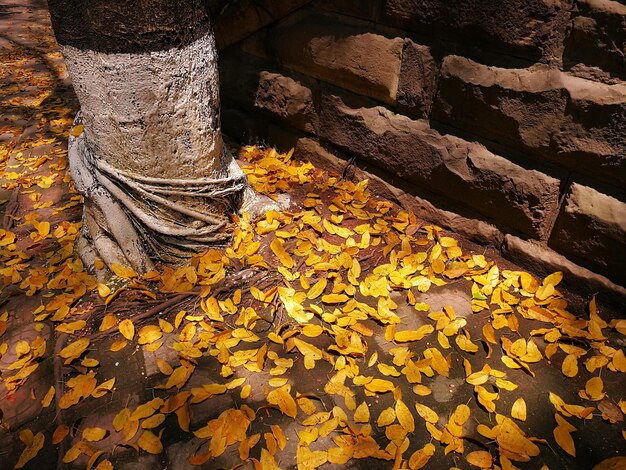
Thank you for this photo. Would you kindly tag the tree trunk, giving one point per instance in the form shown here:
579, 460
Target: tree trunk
157, 181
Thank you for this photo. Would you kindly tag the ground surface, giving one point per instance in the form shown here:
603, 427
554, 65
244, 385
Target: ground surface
342, 332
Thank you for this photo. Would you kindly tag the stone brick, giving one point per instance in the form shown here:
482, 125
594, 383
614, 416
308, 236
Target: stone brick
239, 76
598, 37
573, 122
519, 108
418, 80
365, 9
592, 136
241, 19
590, 231
284, 97
459, 170
542, 261
253, 82
344, 55
532, 29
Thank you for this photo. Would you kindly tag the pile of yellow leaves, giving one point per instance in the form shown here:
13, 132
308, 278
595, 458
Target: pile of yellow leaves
340, 356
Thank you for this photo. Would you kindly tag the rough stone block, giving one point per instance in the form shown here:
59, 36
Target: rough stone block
239, 76
465, 172
253, 82
532, 29
590, 231
592, 136
418, 80
573, 122
341, 54
365, 9
286, 98
239, 20
598, 37
519, 108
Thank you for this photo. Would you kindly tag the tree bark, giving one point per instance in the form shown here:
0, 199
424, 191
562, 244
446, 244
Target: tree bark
157, 180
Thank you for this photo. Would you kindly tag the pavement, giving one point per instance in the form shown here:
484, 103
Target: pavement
414, 351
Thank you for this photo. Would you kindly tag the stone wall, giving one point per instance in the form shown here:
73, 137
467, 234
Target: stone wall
504, 121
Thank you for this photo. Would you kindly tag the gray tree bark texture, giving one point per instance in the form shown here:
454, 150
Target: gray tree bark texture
157, 181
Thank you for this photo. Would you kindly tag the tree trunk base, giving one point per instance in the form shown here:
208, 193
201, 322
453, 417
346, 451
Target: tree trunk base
134, 220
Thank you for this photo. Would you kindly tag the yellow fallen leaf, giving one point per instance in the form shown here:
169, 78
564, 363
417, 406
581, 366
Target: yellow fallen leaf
413, 335
278, 247
427, 413
153, 421
386, 417
420, 457
123, 271
335, 298
245, 391
60, 433
283, 399
118, 345
311, 353
465, 343
72, 327
480, 458
489, 333
388, 370
74, 349
362, 413
94, 434
33, 446
564, 439
518, 411
373, 359
77, 130
317, 289
150, 443
505, 384
612, 463
594, 388
380, 386
312, 331
47, 399
127, 329
422, 390
553, 278
103, 290
164, 366
486, 398
109, 321
570, 365
404, 416
292, 302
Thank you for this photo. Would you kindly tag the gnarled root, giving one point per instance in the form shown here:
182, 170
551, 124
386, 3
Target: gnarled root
132, 219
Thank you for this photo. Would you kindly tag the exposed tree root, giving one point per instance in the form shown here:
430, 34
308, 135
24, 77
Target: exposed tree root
131, 219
